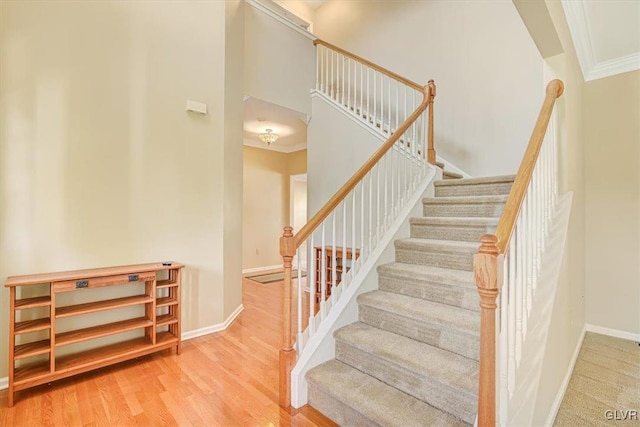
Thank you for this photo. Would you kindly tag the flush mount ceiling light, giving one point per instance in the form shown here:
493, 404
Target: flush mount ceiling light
268, 137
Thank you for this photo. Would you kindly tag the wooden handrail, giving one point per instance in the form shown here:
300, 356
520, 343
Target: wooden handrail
487, 262
370, 64
340, 195
507, 222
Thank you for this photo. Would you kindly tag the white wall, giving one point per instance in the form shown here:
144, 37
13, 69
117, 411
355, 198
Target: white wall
485, 64
612, 164
337, 147
280, 63
100, 163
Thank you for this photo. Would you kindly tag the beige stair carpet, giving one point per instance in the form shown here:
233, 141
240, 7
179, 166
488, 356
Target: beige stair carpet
412, 359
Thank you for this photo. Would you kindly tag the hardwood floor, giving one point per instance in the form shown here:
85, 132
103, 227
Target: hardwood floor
225, 379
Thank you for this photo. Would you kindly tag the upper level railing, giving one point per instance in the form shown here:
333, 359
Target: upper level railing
508, 264
340, 237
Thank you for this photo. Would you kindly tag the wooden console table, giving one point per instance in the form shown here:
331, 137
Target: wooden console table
34, 362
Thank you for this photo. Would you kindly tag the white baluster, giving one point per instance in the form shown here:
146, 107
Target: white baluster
311, 273
343, 78
503, 328
323, 275
375, 101
354, 245
522, 259
378, 227
397, 105
362, 245
389, 104
344, 243
370, 239
349, 84
361, 90
387, 216
318, 67
299, 339
334, 272
515, 274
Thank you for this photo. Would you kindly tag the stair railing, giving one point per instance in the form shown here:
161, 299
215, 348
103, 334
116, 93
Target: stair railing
377, 96
336, 242
507, 265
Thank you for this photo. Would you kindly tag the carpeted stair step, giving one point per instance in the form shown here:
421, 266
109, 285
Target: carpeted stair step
450, 175
452, 228
474, 186
450, 328
352, 398
442, 379
477, 206
438, 253
445, 286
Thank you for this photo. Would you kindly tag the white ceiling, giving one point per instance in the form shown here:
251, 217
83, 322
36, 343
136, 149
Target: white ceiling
606, 34
290, 125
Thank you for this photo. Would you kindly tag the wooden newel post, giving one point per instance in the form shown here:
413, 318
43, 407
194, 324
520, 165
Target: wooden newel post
431, 151
287, 354
485, 271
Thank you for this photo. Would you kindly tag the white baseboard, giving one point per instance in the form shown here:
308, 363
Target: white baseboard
4, 382
565, 382
613, 332
213, 328
260, 269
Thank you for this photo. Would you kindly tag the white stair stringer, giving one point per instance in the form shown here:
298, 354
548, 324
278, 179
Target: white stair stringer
321, 346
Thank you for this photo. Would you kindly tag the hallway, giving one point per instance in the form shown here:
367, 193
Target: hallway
228, 378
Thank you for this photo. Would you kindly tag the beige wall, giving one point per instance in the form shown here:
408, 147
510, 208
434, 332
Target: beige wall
100, 163
280, 62
612, 164
267, 203
486, 66
567, 318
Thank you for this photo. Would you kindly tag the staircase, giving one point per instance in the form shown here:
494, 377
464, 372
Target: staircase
412, 359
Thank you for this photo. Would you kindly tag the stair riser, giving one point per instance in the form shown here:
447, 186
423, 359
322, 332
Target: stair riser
473, 190
461, 260
463, 209
453, 340
432, 291
444, 397
450, 232
335, 409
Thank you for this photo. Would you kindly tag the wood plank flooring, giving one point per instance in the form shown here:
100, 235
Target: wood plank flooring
605, 385
224, 379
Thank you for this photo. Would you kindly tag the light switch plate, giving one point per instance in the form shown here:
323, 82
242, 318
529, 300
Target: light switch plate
196, 107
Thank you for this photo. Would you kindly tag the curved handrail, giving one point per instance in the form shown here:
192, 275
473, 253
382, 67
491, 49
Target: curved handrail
507, 221
370, 64
340, 195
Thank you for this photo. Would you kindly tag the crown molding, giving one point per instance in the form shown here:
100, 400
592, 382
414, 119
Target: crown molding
581, 33
261, 7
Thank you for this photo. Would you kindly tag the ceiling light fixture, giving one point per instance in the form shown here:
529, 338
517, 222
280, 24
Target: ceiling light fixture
268, 137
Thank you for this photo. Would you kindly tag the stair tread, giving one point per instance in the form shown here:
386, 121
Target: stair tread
475, 181
422, 359
428, 273
444, 245
499, 198
451, 175
376, 400
455, 220
446, 316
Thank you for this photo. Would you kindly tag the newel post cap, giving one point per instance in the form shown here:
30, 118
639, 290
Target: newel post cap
555, 87
287, 242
